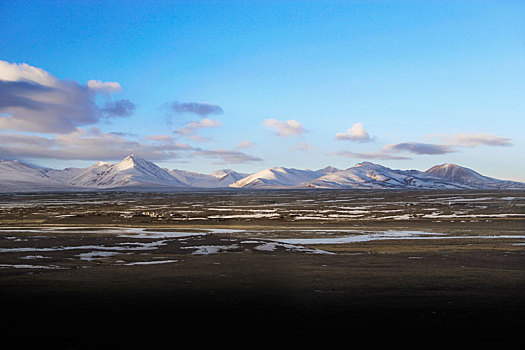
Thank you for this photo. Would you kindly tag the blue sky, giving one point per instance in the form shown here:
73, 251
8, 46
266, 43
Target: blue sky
407, 84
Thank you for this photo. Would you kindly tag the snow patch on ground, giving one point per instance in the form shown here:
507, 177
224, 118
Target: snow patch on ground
95, 255
387, 235
23, 266
211, 249
151, 262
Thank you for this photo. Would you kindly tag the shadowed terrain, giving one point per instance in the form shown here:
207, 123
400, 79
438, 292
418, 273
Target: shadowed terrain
95, 270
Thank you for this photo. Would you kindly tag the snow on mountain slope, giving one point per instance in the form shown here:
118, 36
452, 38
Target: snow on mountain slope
89, 177
18, 176
327, 170
219, 178
228, 176
131, 171
368, 175
459, 174
276, 178
64, 175
192, 178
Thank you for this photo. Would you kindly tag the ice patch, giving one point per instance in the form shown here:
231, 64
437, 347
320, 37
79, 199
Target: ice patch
270, 247
90, 256
211, 249
245, 216
151, 262
138, 246
437, 215
387, 235
160, 234
31, 257
21, 266
223, 230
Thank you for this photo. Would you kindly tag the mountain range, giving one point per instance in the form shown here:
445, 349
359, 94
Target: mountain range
134, 172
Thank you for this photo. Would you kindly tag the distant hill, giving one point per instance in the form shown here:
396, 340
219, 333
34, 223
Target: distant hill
135, 172
219, 178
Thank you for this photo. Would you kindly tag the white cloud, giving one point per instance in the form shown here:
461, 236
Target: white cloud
108, 86
356, 133
25, 72
33, 100
285, 128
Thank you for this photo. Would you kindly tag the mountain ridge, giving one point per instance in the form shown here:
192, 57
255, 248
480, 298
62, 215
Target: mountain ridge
135, 172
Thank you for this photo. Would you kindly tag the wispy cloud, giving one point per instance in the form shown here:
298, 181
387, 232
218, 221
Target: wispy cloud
89, 144
369, 155
191, 128
356, 133
450, 144
93, 144
227, 156
160, 138
418, 148
33, 100
284, 128
198, 108
473, 140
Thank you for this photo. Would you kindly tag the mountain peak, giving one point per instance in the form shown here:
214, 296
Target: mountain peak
365, 163
446, 167
276, 177
221, 172
328, 170
131, 161
133, 157
453, 172
134, 171
100, 163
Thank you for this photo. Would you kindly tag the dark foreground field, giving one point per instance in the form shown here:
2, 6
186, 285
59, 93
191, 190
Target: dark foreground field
112, 270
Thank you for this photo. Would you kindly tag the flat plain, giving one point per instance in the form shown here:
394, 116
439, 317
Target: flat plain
90, 269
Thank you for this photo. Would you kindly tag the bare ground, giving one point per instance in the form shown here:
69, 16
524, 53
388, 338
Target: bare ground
412, 292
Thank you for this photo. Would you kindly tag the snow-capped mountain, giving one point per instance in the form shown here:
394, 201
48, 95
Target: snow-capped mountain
278, 178
374, 176
131, 171
87, 177
368, 175
219, 178
328, 170
18, 176
228, 176
468, 177
135, 172
63, 175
